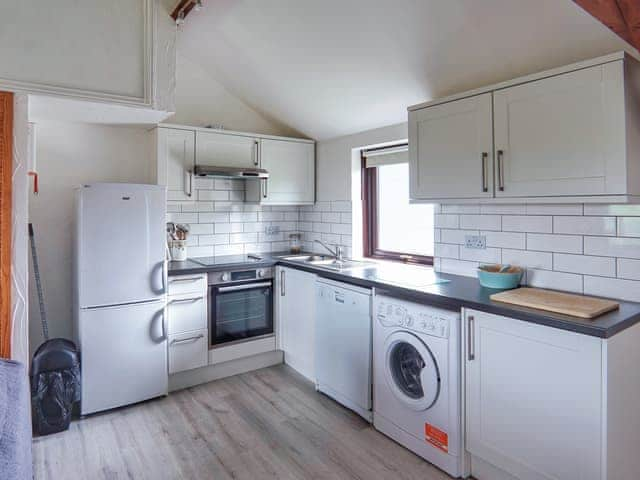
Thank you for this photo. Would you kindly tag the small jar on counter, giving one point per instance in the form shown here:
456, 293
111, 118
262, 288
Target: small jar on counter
295, 243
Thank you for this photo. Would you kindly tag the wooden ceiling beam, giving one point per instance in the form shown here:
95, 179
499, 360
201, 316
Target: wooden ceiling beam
621, 16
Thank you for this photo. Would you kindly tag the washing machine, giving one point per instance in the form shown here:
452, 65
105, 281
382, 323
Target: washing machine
417, 378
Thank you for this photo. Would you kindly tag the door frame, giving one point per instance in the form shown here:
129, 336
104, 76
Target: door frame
6, 175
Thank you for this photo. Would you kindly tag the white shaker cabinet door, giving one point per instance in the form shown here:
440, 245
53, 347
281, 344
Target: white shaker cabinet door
291, 167
226, 150
176, 160
451, 150
533, 398
562, 136
295, 318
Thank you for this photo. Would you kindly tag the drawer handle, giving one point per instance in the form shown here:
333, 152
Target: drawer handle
185, 280
187, 340
185, 300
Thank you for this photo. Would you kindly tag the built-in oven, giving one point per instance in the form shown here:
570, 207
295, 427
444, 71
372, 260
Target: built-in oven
240, 306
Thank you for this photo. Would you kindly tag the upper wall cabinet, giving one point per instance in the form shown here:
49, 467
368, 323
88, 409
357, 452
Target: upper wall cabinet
452, 150
175, 150
228, 150
120, 51
289, 161
291, 167
571, 134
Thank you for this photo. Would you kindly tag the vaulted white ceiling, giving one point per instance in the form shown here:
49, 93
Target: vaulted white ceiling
334, 67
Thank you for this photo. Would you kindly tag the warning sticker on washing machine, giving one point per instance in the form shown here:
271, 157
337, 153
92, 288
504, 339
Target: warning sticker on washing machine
436, 437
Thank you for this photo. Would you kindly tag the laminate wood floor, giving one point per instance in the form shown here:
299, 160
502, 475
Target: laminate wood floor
266, 424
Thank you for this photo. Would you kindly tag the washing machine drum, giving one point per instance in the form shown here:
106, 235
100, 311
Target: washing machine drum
411, 371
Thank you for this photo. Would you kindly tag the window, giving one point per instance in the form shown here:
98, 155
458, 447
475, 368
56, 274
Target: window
394, 229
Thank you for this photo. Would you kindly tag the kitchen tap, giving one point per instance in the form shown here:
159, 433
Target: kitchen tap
338, 253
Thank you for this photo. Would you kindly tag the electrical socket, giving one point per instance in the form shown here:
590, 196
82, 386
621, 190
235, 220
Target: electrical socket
475, 241
272, 229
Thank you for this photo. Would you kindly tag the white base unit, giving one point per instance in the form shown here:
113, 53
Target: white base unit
188, 350
242, 350
549, 404
295, 296
343, 344
187, 323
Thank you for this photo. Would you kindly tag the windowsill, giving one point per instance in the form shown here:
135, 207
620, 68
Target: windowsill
383, 262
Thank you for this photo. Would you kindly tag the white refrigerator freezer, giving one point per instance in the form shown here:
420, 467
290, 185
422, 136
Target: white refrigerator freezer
119, 289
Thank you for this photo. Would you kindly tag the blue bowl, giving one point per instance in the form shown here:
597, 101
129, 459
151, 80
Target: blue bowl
491, 277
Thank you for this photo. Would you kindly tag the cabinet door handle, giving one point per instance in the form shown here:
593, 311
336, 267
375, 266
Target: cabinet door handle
256, 153
485, 187
282, 283
265, 186
471, 338
187, 340
188, 182
501, 170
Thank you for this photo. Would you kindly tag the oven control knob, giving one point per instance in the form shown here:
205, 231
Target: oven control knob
260, 273
225, 277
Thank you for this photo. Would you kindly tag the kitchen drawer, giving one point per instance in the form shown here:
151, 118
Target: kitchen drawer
188, 350
182, 284
187, 313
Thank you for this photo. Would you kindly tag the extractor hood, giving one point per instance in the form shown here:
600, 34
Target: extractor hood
230, 172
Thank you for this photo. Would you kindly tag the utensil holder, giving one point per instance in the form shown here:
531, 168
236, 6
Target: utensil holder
178, 250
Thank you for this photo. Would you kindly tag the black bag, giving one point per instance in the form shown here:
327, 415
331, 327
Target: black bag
55, 385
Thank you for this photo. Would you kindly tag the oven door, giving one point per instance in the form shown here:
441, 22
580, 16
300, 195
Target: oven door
240, 312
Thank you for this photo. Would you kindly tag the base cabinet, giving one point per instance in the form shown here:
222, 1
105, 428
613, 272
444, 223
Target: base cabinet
295, 318
540, 401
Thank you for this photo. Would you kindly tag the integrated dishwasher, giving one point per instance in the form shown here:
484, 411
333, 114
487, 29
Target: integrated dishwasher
343, 344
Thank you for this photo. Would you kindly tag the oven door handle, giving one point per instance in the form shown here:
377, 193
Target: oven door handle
236, 288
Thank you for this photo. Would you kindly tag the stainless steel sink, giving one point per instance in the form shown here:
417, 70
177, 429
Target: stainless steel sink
326, 261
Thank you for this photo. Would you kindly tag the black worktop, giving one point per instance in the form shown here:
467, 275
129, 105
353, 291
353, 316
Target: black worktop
457, 292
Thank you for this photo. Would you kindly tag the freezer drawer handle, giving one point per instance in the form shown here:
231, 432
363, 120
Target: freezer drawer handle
187, 340
282, 274
185, 300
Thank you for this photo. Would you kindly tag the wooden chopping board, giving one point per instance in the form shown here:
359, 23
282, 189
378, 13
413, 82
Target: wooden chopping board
558, 302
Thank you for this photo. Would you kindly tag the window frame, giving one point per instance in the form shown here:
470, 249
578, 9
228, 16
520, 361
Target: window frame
369, 178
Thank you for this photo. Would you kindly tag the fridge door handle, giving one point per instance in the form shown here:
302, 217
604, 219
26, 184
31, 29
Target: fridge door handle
159, 316
159, 268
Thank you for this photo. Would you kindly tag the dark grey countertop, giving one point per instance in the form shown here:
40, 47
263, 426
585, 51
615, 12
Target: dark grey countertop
458, 292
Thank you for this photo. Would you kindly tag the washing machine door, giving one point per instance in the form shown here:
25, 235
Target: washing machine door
411, 371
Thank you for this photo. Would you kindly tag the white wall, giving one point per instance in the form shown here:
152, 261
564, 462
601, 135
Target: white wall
201, 100
69, 155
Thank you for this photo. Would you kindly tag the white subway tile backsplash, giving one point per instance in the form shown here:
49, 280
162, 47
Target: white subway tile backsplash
469, 209
270, 216
202, 229
182, 217
528, 259
329, 217
612, 247
505, 239
291, 216
212, 195
524, 223
614, 210
195, 252
243, 238
628, 268
573, 247
585, 225
569, 282
550, 209
489, 255
587, 265
243, 217
340, 206
455, 236
629, 226
480, 222
612, 287
214, 239
204, 183
446, 221
311, 216
252, 227
212, 217
322, 227
237, 249
547, 242
500, 209
445, 250
341, 228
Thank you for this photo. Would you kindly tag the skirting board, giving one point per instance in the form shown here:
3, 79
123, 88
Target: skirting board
190, 378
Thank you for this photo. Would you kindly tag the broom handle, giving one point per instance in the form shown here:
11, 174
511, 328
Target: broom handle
36, 274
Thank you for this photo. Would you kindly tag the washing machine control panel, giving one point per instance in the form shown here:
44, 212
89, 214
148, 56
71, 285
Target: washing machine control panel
421, 320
